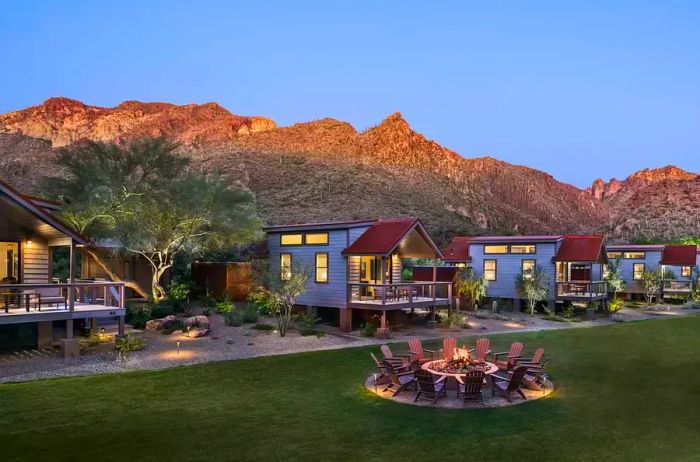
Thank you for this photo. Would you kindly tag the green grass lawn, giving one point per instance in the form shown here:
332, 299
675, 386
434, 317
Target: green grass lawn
625, 392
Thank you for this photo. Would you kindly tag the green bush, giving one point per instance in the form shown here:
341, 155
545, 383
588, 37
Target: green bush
128, 344
208, 298
368, 329
306, 324
233, 319
454, 321
263, 326
262, 302
178, 295
224, 307
249, 315
137, 314
615, 305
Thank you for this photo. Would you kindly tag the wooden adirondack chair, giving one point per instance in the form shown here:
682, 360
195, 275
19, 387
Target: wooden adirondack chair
399, 381
483, 348
449, 345
535, 377
506, 386
516, 350
400, 359
418, 352
470, 386
536, 359
382, 372
429, 389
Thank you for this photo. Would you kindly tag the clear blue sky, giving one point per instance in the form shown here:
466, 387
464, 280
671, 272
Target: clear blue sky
580, 89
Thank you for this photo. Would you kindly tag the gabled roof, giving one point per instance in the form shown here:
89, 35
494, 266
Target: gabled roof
514, 239
587, 249
385, 235
40, 213
679, 255
319, 226
458, 250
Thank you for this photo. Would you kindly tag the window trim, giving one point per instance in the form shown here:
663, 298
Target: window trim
616, 252
643, 257
495, 270
534, 251
20, 258
522, 266
634, 271
291, 260
316, 268
328, 237
291, 245
690, 271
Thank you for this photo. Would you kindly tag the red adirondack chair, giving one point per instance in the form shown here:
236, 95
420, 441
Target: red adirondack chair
506, 386
516, 350
418, 352
399, 381
399, 359
449, 345
483, 348
535, 361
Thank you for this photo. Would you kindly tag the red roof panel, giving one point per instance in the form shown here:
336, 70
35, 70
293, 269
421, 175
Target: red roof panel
679, 255
383, 236
582, 248
458, 250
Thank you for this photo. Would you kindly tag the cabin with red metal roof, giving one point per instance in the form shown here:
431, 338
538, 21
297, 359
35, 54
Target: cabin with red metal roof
358, 265
676, 263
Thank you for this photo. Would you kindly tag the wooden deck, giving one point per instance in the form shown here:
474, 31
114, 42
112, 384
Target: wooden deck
81, 311
416, 302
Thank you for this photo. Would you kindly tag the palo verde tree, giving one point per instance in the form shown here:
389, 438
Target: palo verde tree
533, 286
145, 196
652, 282
468, 287
280, 291
614, 279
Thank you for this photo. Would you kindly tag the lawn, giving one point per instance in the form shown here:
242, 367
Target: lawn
625, 392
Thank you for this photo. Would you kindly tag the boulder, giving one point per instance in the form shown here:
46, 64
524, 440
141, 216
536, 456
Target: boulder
158, 324
197, 332
197, 321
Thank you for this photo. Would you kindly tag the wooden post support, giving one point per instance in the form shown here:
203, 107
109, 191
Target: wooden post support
71, 279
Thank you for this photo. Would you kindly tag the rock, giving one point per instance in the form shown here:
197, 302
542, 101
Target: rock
197, 321
158, 324
197, 332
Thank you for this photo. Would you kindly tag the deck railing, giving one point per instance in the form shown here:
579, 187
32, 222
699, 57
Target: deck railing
60, 296
677, 286
401, 292
582, 289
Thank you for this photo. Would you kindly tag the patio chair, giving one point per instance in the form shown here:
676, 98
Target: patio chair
535, 377
449, 345
470, 386
536, 359
399, 381
418, 352
516, 350
429, 389
506, 386
483, 348
382, 371
50, 296
400, 359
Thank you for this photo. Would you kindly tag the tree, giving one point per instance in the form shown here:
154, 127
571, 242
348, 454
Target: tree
615, 282
533, 286
652, 282
145, 196
282, 294
468, 287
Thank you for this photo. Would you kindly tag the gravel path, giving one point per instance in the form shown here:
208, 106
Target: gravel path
229, 343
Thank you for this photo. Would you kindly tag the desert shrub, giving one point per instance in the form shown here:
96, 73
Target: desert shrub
249, 315
172, 327
208, 300
178, 295
224, 307
262, 302
233, 319
263, 326
306, 324
368, 329
128, 343
615, 305
137, 314
454, 321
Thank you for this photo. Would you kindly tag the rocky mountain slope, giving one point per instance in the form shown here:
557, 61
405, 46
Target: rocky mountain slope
327, 170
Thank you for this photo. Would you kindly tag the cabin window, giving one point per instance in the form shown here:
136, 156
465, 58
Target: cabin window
528, 248
495, 249
637, 271
316, 239
686, 271
322, 267
460, 265
634, 255
614, 255
291, 239
606, 271
285, 266
490, 270
528, 268
9, 261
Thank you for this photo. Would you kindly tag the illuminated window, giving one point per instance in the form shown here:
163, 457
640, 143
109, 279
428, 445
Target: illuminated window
606, 271
285, 266
490, 270
527, 248
322, 267
637, 271
495, 249
290, 239
634, 255
686, 271
528, 269
461, 265
9, 260
316, 238
614, 255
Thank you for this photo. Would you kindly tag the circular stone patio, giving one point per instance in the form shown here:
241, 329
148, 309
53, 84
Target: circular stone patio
451, 401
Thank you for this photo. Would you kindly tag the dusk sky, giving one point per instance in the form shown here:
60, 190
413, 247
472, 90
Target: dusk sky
579, 89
